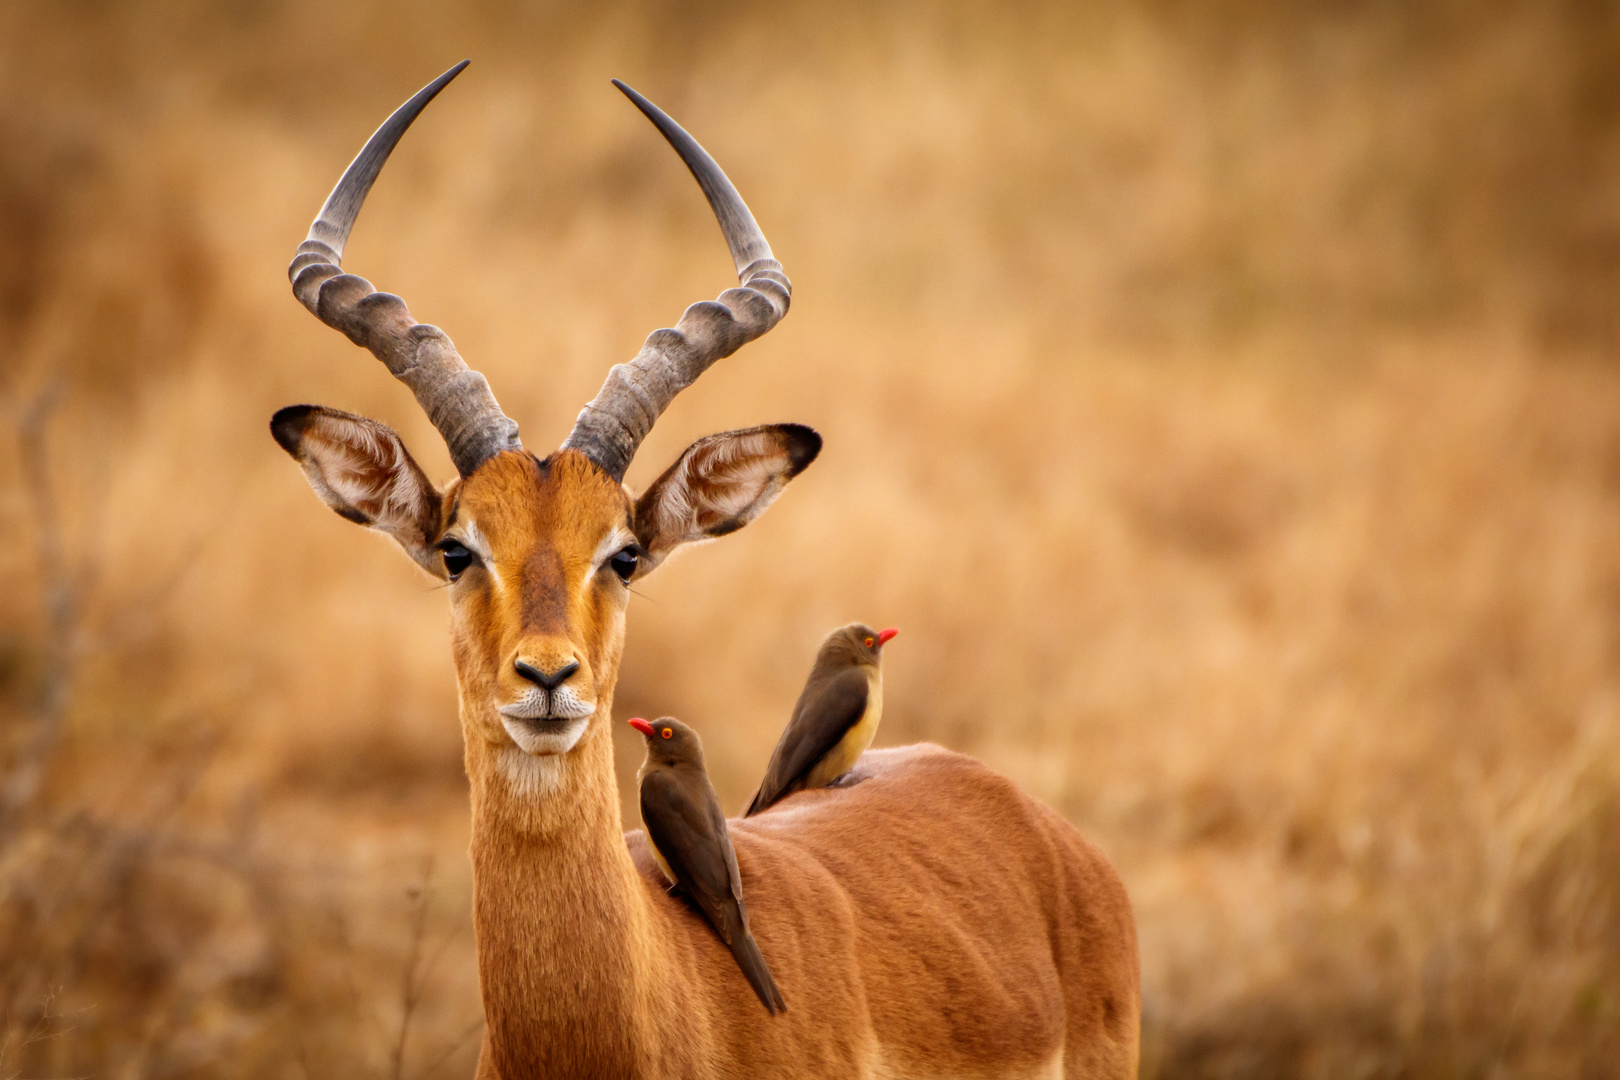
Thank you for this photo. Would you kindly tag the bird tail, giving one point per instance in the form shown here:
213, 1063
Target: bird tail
758, 804
753, 965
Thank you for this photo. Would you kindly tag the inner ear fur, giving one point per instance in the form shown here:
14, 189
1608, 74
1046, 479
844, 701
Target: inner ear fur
719, 484
361, 469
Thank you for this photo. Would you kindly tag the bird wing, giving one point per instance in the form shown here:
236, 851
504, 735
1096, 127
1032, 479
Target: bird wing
823, 716
682, 825
734, 875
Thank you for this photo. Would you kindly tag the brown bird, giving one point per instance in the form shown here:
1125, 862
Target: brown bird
835, 719
692, 846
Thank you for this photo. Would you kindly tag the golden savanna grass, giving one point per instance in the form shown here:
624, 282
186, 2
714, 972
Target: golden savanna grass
1221, 398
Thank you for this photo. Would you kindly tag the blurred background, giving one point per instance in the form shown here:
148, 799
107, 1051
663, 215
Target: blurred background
1223, 399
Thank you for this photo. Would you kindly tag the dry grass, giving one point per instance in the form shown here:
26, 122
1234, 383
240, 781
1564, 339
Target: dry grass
1222, 399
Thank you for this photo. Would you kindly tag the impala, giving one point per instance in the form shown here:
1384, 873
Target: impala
928, 921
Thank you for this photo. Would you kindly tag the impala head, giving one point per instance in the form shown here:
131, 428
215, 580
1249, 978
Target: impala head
538, 551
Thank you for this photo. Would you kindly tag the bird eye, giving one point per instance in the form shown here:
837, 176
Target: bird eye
456, 558
625, 562
868, 643
668, 732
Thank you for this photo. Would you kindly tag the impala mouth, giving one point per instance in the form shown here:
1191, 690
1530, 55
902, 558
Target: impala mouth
542, 722
537, 704
540, 736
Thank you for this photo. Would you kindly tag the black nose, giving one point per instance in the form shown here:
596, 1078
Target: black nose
544, 680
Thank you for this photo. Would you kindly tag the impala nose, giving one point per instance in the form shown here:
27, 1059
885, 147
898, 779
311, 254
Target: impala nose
546, 680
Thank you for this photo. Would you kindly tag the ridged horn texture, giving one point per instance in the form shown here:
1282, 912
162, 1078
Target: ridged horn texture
612, 426
457, 399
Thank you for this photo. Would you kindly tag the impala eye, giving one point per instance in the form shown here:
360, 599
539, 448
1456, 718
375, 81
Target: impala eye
625, 562
456, 558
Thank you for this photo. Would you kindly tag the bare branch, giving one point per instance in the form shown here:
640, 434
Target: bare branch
411, 990
61, 606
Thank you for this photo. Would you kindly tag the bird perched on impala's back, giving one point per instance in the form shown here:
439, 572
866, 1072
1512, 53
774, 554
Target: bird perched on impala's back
687, 833
835, 719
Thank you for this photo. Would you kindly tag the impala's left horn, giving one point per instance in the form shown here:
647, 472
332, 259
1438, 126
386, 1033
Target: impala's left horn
456, 398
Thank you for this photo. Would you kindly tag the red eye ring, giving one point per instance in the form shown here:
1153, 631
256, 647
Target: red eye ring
668, 732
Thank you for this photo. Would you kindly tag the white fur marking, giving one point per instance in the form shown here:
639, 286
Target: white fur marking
546, 743
472, 538
532, 778
738, 478
616, 540
365, 469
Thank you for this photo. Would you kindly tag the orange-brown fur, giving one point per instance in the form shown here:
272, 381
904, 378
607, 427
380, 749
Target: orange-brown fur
930, 920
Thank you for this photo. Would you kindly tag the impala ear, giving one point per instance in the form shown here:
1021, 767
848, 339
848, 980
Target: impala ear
720, 484
362, 470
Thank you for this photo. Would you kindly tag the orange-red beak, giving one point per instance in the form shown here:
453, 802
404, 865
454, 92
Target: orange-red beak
642, 726
885, 635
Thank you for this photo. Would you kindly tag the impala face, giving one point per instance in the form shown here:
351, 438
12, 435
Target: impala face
537, 610
539, 553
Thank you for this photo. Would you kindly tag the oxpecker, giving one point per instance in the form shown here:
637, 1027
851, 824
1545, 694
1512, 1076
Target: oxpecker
692, 846
835, 719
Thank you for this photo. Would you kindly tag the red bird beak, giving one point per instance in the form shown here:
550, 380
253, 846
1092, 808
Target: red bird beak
642, 726
885, 635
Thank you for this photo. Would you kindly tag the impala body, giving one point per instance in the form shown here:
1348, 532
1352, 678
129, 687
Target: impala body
928, 921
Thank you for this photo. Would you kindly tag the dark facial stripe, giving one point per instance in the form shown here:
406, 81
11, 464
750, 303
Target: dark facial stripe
545, 592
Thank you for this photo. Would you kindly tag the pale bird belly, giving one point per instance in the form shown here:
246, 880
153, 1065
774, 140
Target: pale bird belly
842, 757
658, 857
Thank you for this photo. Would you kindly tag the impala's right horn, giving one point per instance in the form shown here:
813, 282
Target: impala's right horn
456, 398
612, 426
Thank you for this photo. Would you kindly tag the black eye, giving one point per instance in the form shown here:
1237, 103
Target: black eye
625, 562
456, 558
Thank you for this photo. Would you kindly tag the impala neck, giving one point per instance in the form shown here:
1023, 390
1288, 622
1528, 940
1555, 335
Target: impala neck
567, 958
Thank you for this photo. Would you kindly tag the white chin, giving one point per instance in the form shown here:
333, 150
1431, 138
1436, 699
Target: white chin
545, 737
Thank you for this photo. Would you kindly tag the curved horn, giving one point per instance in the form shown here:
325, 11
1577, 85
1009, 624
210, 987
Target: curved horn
612, 426
456, 398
